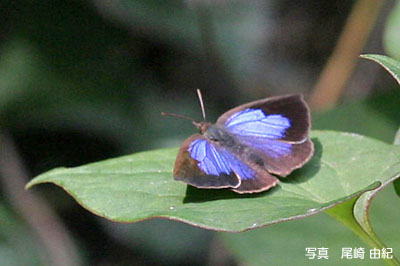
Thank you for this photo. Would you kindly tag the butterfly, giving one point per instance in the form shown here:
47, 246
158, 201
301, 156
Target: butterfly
247, 146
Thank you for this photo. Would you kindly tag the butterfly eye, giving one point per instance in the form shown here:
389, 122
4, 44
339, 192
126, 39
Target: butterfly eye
212, 134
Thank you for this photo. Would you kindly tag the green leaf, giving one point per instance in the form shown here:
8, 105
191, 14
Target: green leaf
362, 205
285, 243
18, 67
17, 245
140, 186
390, 64
374, 121
355, 215
397, 138
396, 183
392, 30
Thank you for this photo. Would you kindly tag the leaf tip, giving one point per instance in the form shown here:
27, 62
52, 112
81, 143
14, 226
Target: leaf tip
43, 178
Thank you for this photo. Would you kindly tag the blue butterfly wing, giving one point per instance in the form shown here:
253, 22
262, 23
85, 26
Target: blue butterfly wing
269, 147
286, 118
200, 164
254, 123
208, 165
215, 160
275, 130
210, 161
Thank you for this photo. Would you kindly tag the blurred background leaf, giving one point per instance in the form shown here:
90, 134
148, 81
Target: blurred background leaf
376, 116
17, 247
392, 32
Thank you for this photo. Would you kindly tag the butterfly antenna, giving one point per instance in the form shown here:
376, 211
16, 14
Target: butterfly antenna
178, 116
201, 104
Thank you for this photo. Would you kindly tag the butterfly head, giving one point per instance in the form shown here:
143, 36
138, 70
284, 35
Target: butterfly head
202, 126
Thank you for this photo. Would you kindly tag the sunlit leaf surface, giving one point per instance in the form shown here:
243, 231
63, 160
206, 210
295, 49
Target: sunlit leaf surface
140, 186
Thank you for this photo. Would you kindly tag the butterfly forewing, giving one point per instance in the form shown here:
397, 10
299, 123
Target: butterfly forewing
196, 152
204, 164
286, 118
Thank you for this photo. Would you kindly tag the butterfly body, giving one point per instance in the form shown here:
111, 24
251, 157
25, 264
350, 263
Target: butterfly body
247, 145
219, 136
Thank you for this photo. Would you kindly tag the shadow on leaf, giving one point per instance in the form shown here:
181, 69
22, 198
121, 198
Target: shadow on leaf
197, 195
194, 194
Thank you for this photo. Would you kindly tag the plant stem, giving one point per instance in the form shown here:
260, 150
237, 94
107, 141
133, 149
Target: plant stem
344, 213
342, 62
54, 242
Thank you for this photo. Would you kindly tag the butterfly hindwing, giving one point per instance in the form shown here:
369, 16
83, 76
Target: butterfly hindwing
278, 160
277, 157
261, 181
253, 177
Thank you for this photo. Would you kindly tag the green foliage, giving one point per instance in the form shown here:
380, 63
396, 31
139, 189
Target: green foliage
140, 186
374, 116
17, 245
87, 76
391, 65
396, 183
392, 30
285, 243
377, 117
